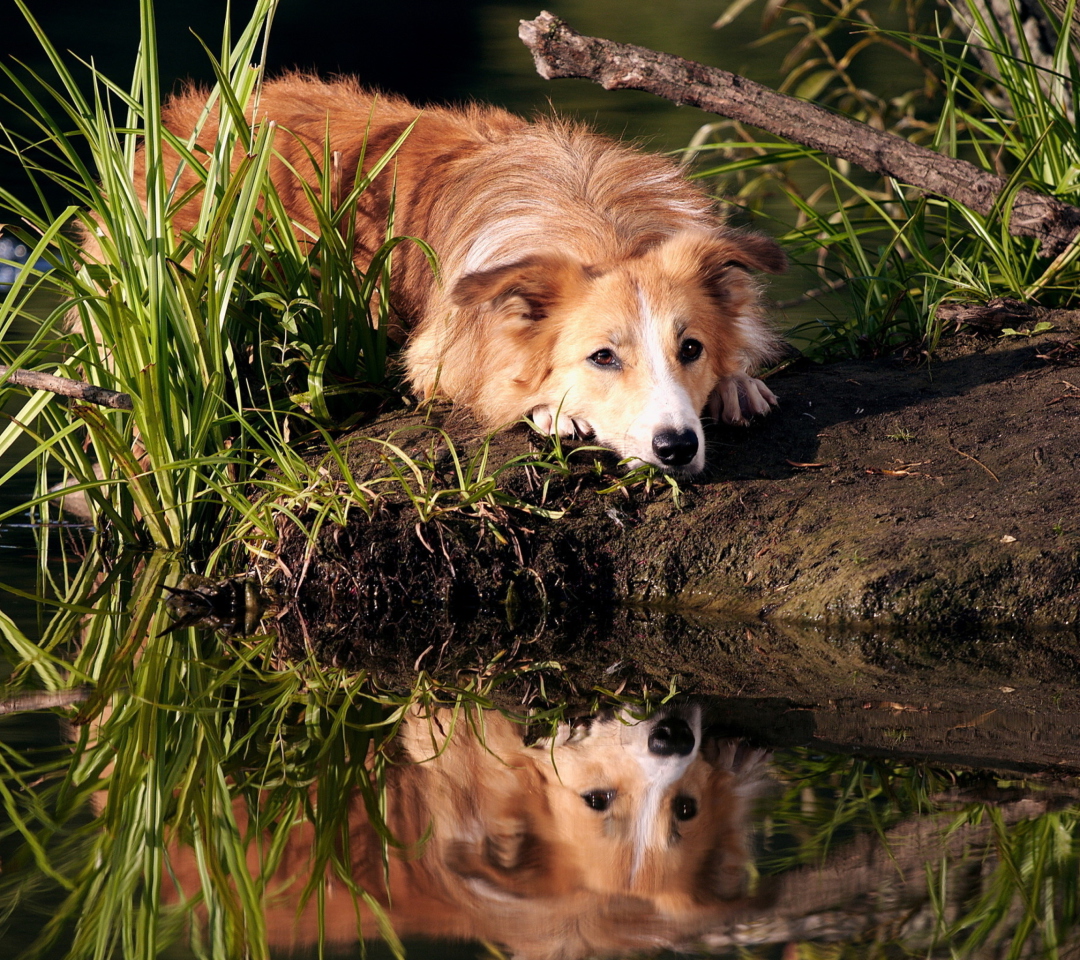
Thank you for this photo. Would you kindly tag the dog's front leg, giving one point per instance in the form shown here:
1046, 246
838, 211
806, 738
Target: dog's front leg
740, 398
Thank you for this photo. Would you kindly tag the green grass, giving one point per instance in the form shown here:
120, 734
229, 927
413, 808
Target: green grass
234, 338
891, 255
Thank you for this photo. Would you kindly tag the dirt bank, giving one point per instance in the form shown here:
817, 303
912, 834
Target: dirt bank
898, 543
942, 494
881, 492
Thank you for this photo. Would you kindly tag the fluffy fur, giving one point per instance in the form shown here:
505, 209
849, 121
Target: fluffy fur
583, 283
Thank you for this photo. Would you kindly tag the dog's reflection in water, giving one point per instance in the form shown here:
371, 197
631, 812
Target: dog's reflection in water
613, 835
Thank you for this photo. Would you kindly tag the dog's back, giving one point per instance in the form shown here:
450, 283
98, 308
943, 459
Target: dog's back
480, 184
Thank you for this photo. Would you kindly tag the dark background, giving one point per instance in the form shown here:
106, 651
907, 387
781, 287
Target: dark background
417, 47
426, 49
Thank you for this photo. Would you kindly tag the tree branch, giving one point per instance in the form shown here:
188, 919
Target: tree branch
562, 52
43, 700
65, 387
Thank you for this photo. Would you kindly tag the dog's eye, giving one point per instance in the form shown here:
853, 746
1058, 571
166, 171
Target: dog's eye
598, 799
684, 808
604, 358
690, 350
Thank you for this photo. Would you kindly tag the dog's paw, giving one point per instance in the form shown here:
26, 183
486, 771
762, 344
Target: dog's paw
544, 420
739, 399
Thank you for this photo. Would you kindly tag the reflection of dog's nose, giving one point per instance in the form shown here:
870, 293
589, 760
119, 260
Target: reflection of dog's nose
671, 736
675, 448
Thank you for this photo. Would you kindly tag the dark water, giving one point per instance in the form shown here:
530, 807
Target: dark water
432, 51
503, 795
424, 49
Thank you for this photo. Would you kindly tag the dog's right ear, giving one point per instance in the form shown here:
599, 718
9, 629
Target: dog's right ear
531, 287
755, 251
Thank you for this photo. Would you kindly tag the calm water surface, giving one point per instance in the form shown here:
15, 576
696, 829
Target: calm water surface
194, 790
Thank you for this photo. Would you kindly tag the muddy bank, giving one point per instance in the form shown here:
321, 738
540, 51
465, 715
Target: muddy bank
940, 495
890, 565
880, 493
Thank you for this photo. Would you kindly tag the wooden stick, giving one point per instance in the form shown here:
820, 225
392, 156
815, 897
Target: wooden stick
43, 700
66, 388
560, 51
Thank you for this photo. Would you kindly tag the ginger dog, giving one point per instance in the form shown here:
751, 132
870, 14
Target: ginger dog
616, 835
583, 283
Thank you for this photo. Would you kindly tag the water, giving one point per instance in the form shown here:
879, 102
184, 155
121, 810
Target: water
516, 799
426, 50
435, 52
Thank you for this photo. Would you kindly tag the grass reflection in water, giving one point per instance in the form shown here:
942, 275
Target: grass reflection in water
204, 792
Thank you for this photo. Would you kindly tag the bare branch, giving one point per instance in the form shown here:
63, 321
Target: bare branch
43, 700
66, 388
562, 52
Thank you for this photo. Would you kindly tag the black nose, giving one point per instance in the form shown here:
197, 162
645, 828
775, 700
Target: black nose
675, 449
671, 736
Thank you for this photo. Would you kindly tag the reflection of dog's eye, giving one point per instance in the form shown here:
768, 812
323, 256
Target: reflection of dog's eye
684, 808
598, 799
604, 358
690, 350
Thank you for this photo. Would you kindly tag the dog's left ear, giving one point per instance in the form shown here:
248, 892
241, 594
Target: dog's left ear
532, 286
723, 263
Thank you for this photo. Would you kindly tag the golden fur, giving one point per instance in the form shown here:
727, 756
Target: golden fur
499, 842
583, 283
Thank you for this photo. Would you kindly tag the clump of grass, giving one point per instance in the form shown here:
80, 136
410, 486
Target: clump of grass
179, 727
230, 338
880, 258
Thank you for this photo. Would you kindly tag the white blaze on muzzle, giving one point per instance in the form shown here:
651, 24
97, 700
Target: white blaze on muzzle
667, 430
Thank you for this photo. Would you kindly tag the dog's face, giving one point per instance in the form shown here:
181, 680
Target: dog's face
613, 834
630, 352
654, 808
615, 807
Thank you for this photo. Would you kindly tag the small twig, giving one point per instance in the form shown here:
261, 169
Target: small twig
66, 388
975, 460
43, 700
972, 723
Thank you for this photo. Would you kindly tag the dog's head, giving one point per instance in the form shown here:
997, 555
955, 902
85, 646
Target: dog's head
615, 833
657, 807
629, 352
